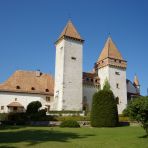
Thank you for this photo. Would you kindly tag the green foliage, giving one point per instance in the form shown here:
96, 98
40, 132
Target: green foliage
104, 110
17, 118
76, 118
3, 116
126, 112
70, 123
33, 107
65, 112
138, 110
106, 85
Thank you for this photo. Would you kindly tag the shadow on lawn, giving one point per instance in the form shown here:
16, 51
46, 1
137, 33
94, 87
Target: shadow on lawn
145, 136
34, 137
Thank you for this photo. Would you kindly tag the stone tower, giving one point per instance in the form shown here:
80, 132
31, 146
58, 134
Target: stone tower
68, 70
112, 66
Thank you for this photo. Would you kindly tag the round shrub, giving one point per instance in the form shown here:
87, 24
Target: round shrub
104, 111
70, 123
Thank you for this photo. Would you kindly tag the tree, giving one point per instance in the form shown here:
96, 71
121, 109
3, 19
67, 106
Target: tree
33, 107
104, 111
106, 85
138, 110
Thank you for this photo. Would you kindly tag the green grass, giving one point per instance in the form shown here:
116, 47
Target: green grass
47, 137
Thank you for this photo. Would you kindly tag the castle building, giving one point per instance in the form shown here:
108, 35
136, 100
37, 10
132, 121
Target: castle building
24, 87
72, 89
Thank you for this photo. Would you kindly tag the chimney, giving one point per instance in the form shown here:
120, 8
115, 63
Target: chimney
38, 73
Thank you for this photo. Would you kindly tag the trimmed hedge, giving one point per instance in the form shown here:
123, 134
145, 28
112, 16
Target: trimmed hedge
104, 111
70, 123
76, 118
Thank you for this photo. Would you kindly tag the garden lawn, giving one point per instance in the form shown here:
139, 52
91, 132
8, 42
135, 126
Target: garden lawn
55, 137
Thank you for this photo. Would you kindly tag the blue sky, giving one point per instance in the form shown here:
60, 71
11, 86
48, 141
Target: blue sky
29, 28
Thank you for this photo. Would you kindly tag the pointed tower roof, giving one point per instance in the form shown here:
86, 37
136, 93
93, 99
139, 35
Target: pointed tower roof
136, 81
70, 32
111, 56
110, 51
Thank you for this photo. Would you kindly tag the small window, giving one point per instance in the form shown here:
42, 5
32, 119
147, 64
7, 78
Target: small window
117, 100
15, 99
48, 99
2, 107
117, 85
47, 90
32, 88
87, 79
102, 61
73, 58
115, 60
117, 73
91, 80
17, 87
119, 61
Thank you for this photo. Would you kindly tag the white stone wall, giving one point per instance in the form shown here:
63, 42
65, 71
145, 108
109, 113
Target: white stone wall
88, 92
24, 99
68, 75
113, 78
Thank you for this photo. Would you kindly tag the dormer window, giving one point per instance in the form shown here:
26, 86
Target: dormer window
17, 87
47, 90
32, 88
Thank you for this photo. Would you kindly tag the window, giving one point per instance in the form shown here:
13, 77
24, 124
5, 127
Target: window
14, 108
119, 61
73, 58
32, 88
48, 99
17, 87
115, 60
117, 73
87, 79
2, 107
15, 99
117, 100
117, 85
91, 80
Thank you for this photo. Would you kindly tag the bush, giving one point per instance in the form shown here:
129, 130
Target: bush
70, 123
3, 116
33, 107
17, 118
76, 118
138, 110
104, 111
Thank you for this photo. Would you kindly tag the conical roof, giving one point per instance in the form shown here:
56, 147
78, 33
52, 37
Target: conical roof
136, 81
110, 51
70, 31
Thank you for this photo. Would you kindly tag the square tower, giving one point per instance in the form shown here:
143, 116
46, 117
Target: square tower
112, 67
68, 70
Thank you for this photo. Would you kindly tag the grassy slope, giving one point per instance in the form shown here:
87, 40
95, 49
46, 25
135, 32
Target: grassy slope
121, 137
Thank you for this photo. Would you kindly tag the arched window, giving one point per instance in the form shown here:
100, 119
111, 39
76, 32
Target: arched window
117, 100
